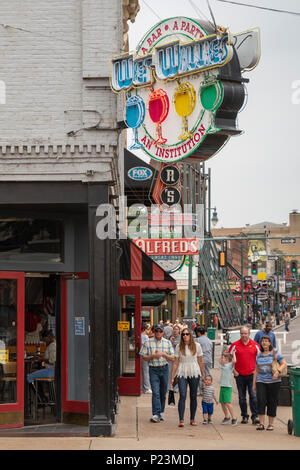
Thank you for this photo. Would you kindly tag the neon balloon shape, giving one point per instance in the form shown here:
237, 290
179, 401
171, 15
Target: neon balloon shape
185, 102
158, 106
135, 114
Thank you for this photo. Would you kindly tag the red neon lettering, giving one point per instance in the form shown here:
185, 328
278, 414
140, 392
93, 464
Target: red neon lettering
187, 29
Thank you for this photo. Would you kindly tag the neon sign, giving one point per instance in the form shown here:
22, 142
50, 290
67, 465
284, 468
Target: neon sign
170, 61
180, 80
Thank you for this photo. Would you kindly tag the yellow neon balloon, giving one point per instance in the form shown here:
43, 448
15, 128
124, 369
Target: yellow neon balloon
185, 102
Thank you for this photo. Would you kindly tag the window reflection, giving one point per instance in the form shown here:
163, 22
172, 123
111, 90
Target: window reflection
31, 240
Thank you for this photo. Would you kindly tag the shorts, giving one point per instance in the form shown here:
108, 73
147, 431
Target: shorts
225, 394
207, 408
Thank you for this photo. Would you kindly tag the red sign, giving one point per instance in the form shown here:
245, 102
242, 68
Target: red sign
168, 246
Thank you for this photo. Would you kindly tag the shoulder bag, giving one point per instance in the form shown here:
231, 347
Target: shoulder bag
276, 366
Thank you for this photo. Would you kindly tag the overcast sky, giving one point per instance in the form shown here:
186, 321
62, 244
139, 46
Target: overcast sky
256, 177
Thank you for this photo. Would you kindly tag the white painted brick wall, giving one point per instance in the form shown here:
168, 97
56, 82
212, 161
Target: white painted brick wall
54, 62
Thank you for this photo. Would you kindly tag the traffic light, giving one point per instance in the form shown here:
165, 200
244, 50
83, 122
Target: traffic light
294, 266
254, 268
222, 259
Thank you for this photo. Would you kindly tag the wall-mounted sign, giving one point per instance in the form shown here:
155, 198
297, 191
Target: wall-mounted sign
170, 175
123, 325
79, 324
177, 89
168, 246
140, 173
170, 196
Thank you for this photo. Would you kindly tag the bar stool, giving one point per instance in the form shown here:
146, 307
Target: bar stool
51, 401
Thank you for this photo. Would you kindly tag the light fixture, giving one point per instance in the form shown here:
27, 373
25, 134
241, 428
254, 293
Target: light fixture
214, 219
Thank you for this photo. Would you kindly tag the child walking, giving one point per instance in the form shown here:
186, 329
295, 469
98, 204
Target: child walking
208, 399
227, 362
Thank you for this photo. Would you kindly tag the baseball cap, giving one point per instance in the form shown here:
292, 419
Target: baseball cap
160, 327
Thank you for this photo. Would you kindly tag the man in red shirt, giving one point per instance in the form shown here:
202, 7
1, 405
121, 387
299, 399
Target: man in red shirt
245, 350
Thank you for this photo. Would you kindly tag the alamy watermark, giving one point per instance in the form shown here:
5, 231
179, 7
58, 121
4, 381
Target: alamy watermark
296, 93
2, 92
139, 221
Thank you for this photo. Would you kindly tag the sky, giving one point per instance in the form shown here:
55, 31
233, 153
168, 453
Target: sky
256, 176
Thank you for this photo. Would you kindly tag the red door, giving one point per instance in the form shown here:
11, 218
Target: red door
130, 341
12, 349
75, 347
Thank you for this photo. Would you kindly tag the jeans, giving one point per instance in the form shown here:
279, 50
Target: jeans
193, 383
145, 376
47, 373
159, 383
243, 383
207, 367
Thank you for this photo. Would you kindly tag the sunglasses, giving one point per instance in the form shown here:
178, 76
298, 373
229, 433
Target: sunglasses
185, 334
158, 331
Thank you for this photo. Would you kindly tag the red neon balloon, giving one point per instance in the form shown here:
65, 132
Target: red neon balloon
158, 106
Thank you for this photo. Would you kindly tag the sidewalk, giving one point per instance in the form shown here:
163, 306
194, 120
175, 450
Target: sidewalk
136, 432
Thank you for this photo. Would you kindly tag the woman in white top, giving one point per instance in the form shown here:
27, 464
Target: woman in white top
187, 367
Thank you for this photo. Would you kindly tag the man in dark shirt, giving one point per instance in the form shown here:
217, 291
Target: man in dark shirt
267, 331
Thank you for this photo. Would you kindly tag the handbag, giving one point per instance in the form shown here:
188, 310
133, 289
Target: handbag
275, 367
171, 398
175, 381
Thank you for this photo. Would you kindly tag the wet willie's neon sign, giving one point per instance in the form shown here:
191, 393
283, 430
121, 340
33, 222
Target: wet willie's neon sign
170, 61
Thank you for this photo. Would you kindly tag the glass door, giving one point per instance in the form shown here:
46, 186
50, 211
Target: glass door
12, 294
75, 348
129, 328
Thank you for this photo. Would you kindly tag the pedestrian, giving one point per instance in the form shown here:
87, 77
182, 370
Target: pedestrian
266, 331
146, 387
266, 384
157, 351
207, 346
188, 366
286, 321
168, 330
209, 396
227, 362
175, 339
245, 350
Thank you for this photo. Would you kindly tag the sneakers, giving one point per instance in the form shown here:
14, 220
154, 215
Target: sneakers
244, 420
234, 422
155, 419
255, 421
209, 421
204, 421
148, 391
161, 417
225, 421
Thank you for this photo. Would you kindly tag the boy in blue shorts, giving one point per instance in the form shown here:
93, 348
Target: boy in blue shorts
208, 399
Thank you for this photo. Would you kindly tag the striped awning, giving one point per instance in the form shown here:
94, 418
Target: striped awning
137, 268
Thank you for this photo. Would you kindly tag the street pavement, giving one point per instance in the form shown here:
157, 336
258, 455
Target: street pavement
134, 430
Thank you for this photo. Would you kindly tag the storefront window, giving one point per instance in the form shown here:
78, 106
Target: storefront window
8, 341
25, 239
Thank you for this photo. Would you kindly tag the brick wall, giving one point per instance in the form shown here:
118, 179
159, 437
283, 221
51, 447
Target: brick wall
54, 58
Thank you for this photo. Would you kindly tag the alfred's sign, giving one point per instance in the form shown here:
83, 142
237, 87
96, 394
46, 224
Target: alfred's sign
174, 88
168, 246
